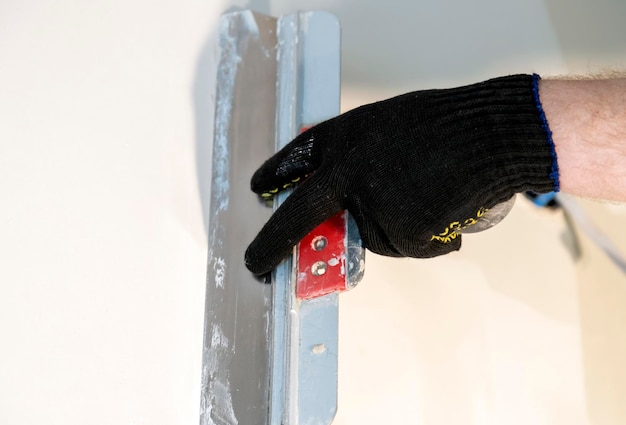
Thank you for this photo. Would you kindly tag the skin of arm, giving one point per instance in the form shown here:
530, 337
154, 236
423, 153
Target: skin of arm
588, 123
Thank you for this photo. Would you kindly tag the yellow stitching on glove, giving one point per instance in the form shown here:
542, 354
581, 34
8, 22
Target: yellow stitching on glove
446, 239
452, 231
270, 194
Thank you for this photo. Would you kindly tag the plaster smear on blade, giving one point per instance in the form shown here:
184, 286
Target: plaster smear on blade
217, 404
224, 98
252, 29
219, 266
232, 45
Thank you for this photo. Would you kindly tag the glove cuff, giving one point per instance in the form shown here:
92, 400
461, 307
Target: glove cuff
507, 135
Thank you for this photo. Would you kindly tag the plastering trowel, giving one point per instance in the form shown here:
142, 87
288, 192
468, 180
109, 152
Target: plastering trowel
270, 351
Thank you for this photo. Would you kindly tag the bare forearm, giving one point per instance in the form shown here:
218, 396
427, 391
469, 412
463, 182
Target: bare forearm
588, 123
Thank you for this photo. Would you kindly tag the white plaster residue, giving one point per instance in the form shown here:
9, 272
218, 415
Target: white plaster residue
226, 75
226, 414
218, 339
333, 262
301, 277
220, 146
235, 31
219, 266
249, 23
217, 403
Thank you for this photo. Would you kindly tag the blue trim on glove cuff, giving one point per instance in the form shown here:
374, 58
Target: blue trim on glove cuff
554, 173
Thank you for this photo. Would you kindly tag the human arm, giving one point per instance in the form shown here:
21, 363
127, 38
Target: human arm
588, 122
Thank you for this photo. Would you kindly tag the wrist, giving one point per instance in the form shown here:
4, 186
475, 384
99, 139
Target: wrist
588, 123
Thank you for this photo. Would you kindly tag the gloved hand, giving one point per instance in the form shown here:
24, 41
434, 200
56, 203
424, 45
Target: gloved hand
413, 170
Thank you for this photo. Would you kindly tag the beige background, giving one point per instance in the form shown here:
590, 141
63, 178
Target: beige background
105, 127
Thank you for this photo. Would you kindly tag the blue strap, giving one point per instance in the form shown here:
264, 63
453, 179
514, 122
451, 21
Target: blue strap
543, 199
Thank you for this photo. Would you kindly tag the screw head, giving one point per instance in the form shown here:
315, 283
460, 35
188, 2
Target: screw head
319, 348
319, 268
319, 243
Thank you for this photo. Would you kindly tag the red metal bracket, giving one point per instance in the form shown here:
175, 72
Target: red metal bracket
321, 259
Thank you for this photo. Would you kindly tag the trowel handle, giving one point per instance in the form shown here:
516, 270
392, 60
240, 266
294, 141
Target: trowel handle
492, 217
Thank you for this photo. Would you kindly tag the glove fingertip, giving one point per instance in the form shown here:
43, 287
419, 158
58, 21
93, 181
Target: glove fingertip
264, 179
301, 157
254, 263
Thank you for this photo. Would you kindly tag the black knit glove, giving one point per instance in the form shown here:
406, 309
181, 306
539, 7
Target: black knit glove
413, 170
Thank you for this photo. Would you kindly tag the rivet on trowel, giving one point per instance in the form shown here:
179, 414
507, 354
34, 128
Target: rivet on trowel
319, 243
319, 349
319, 268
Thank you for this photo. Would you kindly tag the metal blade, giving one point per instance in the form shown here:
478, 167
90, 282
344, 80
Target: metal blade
235, 376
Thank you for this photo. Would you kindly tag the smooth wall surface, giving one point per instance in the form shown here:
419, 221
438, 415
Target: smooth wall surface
106, 112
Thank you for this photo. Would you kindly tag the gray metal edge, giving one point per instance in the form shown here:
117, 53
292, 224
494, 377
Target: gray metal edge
320, 53
282, 276
235, 377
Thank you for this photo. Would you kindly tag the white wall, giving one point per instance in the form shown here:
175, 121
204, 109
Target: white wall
102, 242
105, 130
